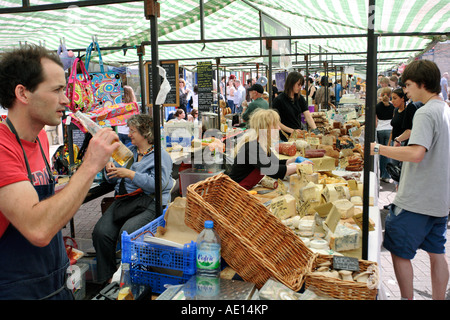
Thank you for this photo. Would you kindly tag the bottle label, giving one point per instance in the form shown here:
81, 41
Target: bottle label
208, 257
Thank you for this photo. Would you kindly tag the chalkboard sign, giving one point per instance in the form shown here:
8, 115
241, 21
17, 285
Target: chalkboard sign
345, 263
173, 97
205, 86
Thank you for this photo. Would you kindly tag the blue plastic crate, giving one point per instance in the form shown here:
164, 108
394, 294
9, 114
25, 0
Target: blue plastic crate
157, 281
144, 258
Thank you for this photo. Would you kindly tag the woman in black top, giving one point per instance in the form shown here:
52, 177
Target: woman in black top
384, 113
398, 100
290, 104
254, 157
398, 119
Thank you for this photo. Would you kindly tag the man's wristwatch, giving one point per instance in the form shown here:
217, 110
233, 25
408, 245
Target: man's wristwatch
396, 140
376, 149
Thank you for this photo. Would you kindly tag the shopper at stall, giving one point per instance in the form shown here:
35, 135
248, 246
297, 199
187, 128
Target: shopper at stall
312, 90
338, 91
324, 94
290, 104
274, 89
254, 155
411, 109
184, 93
398, 119
178, 116
444, 86
393, 82
256, 91
418, 216
33, 259
384, 113
230, 94
193, 116
122, 131
125, 213
239, 95
384, 83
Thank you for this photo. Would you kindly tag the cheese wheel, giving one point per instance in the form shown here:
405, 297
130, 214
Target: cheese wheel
319, 244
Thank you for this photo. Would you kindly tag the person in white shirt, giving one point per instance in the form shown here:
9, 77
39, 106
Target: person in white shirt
179, 116
239, 95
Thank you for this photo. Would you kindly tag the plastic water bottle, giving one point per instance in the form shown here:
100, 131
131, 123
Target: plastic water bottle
163, 138
208, 251
121, 155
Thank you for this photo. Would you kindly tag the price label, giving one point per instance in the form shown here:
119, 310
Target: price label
345, 263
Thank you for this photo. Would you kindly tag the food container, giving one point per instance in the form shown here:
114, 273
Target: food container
210, 120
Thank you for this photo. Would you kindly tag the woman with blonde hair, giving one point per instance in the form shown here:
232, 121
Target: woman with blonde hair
254, 156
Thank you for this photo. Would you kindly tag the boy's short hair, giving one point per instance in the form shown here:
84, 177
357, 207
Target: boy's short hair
22, 66
423, 72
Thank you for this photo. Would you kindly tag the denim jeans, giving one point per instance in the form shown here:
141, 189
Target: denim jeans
383, 138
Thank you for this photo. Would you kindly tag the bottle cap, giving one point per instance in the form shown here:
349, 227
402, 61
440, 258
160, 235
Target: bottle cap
209, 224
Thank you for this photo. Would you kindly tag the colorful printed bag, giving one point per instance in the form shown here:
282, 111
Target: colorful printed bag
111, 116
79, 89
107, 85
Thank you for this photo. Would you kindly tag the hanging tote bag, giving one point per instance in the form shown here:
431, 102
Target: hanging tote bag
107, 85
79, 89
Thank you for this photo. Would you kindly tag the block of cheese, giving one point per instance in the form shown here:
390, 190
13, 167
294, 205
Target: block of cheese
356, 200
344, 239
332, 192
345, 208
283, 207
313, 177
296, 183
309, 192
306, 168
324, 163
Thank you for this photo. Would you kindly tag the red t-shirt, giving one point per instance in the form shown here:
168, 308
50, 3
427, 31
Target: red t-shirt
13, 168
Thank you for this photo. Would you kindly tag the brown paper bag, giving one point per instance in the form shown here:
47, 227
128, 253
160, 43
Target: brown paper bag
176, 230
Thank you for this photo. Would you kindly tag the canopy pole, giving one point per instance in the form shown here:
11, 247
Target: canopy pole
141, 54
152, 14
369, 135
269, 48
218, 84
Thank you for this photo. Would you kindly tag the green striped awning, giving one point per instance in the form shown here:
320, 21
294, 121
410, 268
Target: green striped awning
406, 27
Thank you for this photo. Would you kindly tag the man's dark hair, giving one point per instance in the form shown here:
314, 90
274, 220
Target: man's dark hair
423, 72
291, 80
22, 66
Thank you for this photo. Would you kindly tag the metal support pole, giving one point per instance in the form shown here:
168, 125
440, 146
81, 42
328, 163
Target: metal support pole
218, 91
369, 135
218, 83
269, 48
307, 80
325, 65
141, 53
152, 13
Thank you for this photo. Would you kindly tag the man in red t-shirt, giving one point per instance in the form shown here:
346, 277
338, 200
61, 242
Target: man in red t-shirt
32, 83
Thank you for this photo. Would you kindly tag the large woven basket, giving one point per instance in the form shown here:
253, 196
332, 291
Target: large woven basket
343, 289
254, 242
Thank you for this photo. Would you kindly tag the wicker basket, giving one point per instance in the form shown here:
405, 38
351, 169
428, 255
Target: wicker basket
343, 289
254, 242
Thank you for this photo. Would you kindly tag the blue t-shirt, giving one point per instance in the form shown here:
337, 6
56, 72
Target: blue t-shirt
338, 90
444, 88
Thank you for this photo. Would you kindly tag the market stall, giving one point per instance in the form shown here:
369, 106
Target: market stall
139, 39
